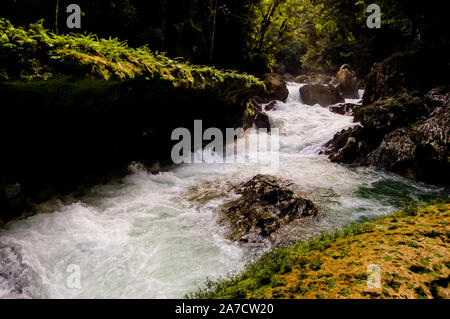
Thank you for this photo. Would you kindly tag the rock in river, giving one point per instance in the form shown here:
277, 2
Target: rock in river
324, 95
346, 82
267, 203
276, 89
344, 108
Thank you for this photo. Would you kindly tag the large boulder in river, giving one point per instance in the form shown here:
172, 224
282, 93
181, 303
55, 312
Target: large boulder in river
346, 82
267, 203
323, 95
276, 89
351, 145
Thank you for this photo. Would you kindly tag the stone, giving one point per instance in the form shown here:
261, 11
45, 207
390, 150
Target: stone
276, 89
262, 121
346, 82
324, 95
404, 134
267, 203
344, 108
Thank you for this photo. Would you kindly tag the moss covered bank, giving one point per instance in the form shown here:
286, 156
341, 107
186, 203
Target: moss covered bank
410, 248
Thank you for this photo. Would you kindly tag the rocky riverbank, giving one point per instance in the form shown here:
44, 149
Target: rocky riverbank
405, 123
403, 255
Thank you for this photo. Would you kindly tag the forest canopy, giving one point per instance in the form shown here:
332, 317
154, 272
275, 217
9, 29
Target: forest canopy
253, 35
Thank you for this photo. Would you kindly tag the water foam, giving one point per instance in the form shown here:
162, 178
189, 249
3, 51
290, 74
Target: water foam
145, 238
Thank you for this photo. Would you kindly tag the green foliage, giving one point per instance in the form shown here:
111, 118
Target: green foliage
257, 275
289, 58
255, 35
35, 53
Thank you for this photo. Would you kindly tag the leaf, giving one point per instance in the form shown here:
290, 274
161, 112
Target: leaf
4, 38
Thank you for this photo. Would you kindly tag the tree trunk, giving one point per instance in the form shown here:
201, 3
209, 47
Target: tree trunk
56, 17
213, 14
164, 24
266, 23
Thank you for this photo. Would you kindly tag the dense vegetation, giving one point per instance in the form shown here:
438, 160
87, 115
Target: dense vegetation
255, 35
33, 53
408, 246
138, 69
128, 100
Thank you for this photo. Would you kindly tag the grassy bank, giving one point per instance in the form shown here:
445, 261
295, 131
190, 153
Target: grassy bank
410, 247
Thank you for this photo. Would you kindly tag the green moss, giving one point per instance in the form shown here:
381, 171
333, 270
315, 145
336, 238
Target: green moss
425, 261
413, 244
395, 285
34, 53
344, 292
420, 293
262, 272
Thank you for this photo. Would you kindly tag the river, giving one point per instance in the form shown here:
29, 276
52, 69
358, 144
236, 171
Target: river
144, 237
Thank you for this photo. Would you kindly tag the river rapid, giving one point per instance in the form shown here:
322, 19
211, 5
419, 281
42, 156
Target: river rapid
154, 235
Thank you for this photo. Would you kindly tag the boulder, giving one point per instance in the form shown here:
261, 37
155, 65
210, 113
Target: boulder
346, 82
272, 106
344, 108
395, 153
323, 95
288, 77
402, 134
391, 113
267, 203
262, 121
349, 146
276, 89
405, 120
420, 151
252, 110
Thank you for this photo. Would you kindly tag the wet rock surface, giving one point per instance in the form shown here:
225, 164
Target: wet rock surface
346, 82
272, 106
262, 121
323, 95
344, 108
405, 134
276, 89
267, 204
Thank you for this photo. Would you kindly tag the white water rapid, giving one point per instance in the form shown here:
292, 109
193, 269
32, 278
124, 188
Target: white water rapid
144, 238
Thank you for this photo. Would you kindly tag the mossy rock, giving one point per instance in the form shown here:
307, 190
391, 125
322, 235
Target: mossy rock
267, 203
